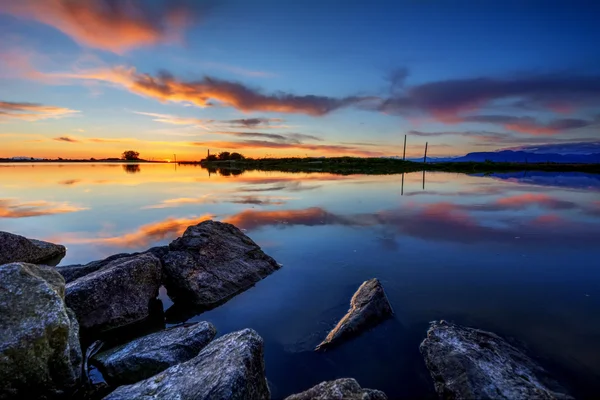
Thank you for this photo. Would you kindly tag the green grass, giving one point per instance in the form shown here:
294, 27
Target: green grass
382, 166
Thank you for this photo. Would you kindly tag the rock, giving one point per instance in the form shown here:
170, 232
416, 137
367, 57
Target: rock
231, 367
151, 354
15, 248
40, 355
340, 389
368, 307
468, 363
117, 294
76, 271
212, 262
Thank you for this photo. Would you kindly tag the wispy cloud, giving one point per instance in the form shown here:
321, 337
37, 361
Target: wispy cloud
208, 90
264, 144
210, 199
115, 26
32, 111
11, 208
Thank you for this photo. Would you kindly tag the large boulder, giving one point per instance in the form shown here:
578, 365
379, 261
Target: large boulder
40, 355
340, 389
368, 307
117, 294
76, 271
151, 354
231, 367
212, 262
468, 363
15, 248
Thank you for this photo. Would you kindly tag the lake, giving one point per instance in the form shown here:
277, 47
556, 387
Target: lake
514, 253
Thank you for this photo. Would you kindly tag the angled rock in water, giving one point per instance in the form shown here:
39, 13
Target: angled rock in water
151, 354
212, 262
231, 367
340, 389
15, 248
40, 355
368, 307
468, 363
117, 294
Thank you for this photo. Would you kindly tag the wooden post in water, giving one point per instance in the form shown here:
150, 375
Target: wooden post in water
175, 158
425, 157
404, 153
402, 187
423, 179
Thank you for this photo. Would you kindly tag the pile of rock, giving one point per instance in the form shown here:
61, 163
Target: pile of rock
41, 317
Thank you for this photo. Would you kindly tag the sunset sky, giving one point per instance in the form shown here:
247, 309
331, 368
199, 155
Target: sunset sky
92, 78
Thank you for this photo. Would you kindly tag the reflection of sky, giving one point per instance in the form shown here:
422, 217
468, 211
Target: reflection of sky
511, 255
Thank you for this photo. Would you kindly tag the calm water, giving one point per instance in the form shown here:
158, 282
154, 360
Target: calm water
515, 253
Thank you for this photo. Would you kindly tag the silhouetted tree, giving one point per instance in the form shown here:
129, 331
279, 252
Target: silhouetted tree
212, 157
236, 156
130, 155
224, 155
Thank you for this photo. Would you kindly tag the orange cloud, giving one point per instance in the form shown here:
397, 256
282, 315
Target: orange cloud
32, 111
9, 208
145, 235
165, 87
115, 26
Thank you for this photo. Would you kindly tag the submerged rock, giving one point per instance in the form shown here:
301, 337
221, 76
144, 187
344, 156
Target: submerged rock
212, 262
151, 354
368, 307
40, 355
340, 389
468, 363
231, 367
15, 248
117, 294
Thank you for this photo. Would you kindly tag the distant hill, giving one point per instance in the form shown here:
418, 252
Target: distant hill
524, 156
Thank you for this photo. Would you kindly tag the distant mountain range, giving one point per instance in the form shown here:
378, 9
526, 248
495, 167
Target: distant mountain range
521, 157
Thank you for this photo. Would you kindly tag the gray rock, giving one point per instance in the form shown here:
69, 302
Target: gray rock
76, 271
15, 248
117, 294
151, 354
40, 355
212, 262
231, 367
368, 307
340, 389
468, 363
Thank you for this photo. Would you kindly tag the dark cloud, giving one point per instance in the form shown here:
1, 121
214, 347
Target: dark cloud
253, 122
530, 125
446, 100
592, 147
66, 139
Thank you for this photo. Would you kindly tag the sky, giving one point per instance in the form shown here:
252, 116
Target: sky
93, 78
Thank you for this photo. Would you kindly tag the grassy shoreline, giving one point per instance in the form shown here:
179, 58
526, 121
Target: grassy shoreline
379, 166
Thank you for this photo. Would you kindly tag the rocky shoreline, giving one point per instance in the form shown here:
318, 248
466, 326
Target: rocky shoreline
50, 314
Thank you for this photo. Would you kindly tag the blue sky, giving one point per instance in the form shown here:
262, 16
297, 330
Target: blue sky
295, 78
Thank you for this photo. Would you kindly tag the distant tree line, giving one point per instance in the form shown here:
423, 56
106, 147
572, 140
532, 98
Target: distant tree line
225, 156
